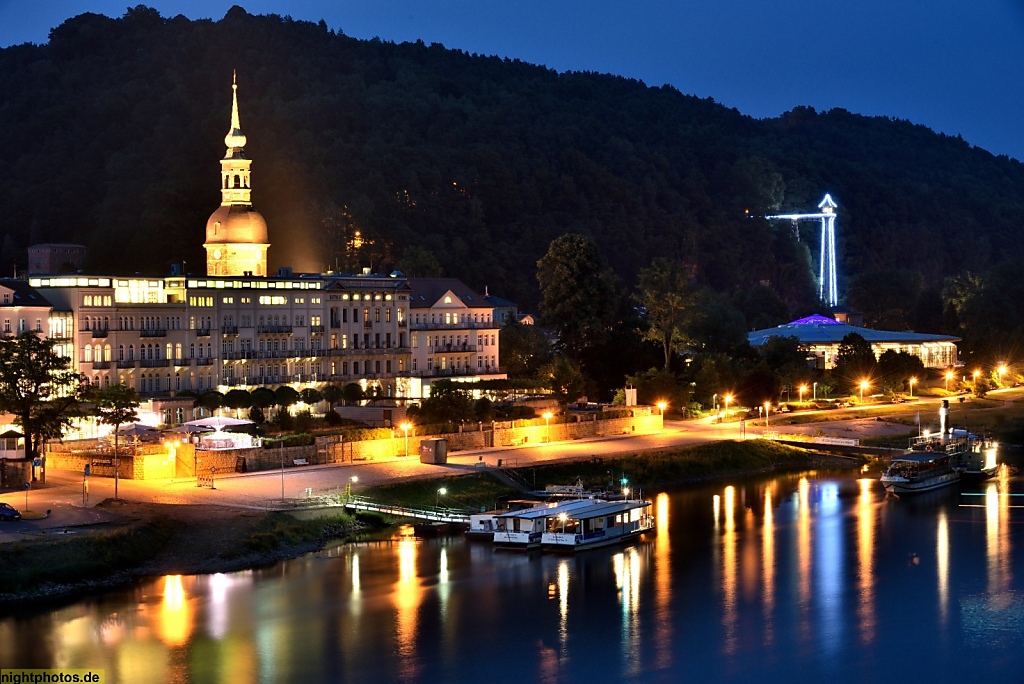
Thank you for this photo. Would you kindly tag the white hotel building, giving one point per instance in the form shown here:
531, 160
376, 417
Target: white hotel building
239, 327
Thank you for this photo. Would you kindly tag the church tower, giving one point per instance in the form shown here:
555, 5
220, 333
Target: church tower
236, 234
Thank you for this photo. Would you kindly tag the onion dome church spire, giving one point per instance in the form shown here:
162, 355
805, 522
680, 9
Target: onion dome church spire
236, 234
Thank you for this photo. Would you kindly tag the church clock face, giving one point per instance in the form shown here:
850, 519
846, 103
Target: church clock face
216, 254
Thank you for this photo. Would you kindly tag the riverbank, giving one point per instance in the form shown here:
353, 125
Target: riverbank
159, 539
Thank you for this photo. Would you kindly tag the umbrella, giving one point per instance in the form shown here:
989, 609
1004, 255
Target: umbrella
137, 430
217, 422
11, 434
189, 429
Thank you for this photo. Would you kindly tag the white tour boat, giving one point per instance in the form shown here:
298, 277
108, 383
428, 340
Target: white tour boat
523, 529
599, 523
915, 472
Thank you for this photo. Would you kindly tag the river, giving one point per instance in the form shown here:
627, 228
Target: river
798, 577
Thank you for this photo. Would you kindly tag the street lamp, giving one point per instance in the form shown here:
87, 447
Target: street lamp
1002, 371
912, 382
814, 390
437, 499
948, 376
405, 426
802, 389
975, 375
563, 517
864, 384
547, 426
767, 410
662, 405
728, 398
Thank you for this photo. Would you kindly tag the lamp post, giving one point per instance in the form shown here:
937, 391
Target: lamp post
437, 499
975, 375
728, 399
948, 376
405, 426
547, 426
911, 382
814, 390
1002, 371
802, 389
767, 410
662, 405
864, 384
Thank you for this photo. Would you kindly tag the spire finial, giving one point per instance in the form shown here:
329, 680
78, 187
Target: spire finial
235, 137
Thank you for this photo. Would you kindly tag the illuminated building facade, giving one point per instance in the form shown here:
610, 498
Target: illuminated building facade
822, 336
238, 327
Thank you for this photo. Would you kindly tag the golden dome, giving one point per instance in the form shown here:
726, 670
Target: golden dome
237, 224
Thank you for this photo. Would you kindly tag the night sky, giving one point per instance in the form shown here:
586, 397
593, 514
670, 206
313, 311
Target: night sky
956, 67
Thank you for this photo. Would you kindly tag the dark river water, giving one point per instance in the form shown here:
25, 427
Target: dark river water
812, 577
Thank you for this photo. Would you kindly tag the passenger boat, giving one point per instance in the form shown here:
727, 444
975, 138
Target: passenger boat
599, 523
523, 529
915, 472
482, 525
978, 459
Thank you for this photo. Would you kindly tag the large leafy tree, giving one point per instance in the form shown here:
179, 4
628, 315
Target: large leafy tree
666, 295
116, 405
525, 350
37, 387
855, 360
578, 293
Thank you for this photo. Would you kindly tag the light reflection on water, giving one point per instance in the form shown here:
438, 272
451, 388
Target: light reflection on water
816, 574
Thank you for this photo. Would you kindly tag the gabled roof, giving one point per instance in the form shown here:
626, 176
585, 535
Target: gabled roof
426, 292
819, 329
24, 294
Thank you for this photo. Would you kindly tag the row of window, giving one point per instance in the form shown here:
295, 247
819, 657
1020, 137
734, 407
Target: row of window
22, 325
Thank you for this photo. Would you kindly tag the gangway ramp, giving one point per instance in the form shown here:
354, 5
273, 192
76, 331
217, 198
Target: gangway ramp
432, 515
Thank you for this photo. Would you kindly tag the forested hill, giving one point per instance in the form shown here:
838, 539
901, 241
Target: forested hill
111, 133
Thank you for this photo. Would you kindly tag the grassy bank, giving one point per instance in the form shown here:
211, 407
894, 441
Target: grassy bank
645, 470
158, 539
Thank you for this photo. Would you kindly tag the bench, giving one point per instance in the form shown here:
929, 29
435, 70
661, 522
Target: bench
518, 441
300, 461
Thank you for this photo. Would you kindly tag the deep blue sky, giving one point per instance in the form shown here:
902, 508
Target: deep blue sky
955, 66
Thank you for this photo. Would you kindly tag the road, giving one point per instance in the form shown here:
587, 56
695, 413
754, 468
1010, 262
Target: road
63, 492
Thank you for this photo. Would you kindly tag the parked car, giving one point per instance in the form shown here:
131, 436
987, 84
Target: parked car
9, 512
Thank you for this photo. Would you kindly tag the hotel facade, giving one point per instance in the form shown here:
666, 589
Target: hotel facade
238, 327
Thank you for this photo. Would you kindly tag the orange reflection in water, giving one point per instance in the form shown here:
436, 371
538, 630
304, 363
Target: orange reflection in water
729, 597
803, 542
408, 595
662, 585
997, 535
174, 623
626, 566
865, 560
942, 563
768, 568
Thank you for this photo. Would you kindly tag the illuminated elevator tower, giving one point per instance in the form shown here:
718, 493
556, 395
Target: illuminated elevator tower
828, 287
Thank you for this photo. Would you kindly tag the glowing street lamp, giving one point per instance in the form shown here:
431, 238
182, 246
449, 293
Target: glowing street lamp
948, 376
437, 499
975, 375
662, 405
405, 426
912, 382
1002, 371
563, 517
728, 398
864, 384
767, 410
547, 426
802, 389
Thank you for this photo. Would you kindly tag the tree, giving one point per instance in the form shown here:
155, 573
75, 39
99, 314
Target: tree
855, 360
311, 395
578, 293
263, 397
895, 368
525, 349
352, 393
211, 400
667, 299
448, 402
657, 385
565, 379
238, 399
116, 406
38, 387
332, 394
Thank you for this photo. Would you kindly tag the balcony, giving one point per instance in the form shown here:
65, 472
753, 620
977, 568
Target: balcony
240, 355
99, 334
208, 361
454, 372
129, 363
153, 332
444, 348
315, 329
274, 329
182, 363
229, 329
154, 363
462, 325
100, 365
